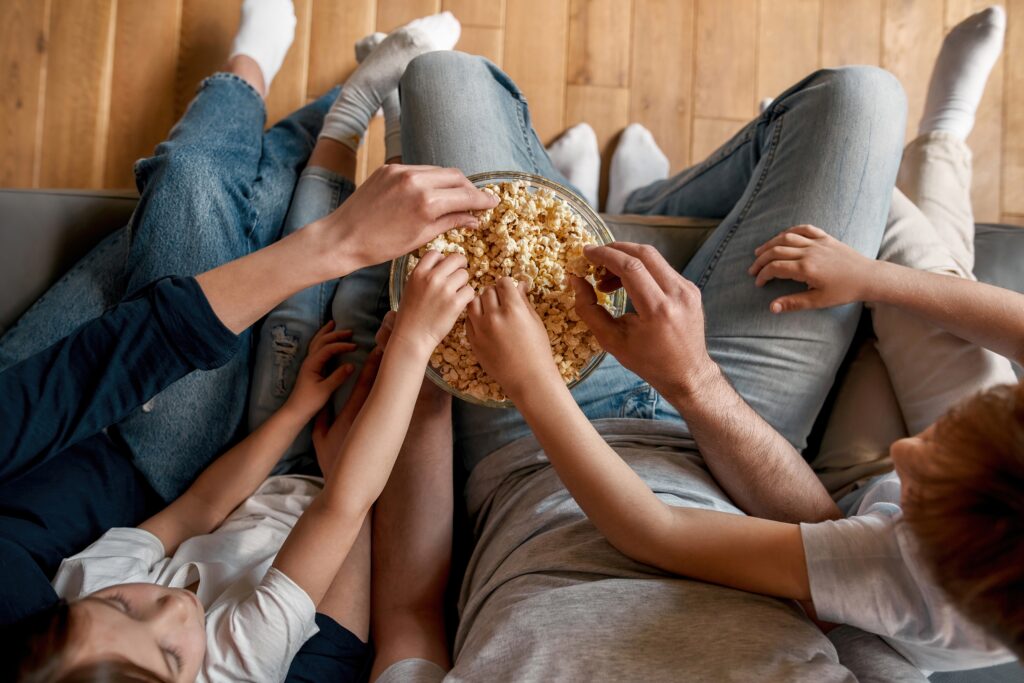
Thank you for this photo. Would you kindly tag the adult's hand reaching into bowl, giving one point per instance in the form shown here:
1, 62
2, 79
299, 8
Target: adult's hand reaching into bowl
397, 209
663, 342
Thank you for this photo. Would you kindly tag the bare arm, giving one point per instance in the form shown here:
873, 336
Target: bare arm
321, 539
752, 462
236, 474
836, 274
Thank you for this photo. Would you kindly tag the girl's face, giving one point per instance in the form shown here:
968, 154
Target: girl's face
159, 629
910, 456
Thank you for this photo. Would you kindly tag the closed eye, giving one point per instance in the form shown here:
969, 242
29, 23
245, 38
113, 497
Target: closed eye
171, 653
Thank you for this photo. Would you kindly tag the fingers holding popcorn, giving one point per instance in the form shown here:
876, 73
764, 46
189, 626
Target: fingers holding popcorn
436, 294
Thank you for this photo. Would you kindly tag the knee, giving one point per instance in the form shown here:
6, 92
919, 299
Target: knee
442, 71
867, 91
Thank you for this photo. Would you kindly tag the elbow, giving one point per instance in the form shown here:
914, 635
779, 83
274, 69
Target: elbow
646, 542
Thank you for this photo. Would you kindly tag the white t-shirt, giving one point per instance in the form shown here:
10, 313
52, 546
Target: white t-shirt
256, 617
865, 571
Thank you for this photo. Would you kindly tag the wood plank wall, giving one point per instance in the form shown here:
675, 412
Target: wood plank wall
88, 86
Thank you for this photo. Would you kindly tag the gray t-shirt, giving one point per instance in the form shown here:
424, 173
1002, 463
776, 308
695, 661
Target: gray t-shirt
865, 571
546, 597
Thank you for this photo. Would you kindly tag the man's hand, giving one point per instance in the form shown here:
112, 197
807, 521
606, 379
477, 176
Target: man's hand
834, 272
436, 293
509, 339
327, 435
399, 208
313, 389
663, 342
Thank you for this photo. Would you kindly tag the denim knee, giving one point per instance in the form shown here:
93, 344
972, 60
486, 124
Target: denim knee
866, 89
445, 70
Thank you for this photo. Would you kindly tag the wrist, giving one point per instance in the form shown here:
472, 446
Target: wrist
293, 414
686, 386
329, 248
410, 344
535, 391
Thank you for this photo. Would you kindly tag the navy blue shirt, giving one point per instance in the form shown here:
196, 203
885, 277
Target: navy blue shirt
105, 369
63, 480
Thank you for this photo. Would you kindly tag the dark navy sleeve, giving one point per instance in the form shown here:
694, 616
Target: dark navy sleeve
109, 366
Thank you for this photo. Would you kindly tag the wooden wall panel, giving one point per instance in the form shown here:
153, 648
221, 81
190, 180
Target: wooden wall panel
726, 59
788, 35
394, 13
607, 111
145, 61
1013, 113
661, 81
288, 91
77, 104
599, 43
24, 28
710, 134
477, 12
536, 32
207, 29
487, 42
912, 33
851, 32
334, 29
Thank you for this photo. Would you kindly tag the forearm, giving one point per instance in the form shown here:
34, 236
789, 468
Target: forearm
759, 470
412, 541
988, 316
244, 290
619, 503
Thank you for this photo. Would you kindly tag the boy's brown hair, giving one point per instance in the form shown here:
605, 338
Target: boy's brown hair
965, 506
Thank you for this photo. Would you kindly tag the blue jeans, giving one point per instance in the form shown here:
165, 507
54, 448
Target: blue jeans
216, 189
825, 153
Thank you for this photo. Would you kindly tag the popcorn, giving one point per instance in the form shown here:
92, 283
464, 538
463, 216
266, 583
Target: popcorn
536, 239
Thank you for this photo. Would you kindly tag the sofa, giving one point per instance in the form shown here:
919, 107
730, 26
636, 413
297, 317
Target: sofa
44, 232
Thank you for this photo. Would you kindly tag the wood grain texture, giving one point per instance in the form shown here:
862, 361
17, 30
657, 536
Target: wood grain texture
288, 90
484, 13
24, 28
912, 33
607, 111
726, 68
77, 104
599, 43
1013, 112
207, 29
145, 61
536, 32
334, 29
787, 38
487, 42
710, 134
851, 32
394, 13
661, 80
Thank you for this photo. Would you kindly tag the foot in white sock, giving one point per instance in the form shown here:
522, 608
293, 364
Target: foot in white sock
958, 79
576, 156
265, 33
391, 105
637, 162
380, 72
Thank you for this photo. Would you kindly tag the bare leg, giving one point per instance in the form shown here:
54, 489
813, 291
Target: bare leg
335, 157
412, 541
348, 599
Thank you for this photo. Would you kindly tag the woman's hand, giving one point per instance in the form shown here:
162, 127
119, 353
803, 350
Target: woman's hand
834, 272
436, 293
399, 208
313, 389
509, 339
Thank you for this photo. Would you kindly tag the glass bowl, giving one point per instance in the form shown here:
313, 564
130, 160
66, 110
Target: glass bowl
591, 222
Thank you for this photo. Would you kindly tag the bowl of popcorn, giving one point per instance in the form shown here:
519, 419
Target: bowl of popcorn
536, 236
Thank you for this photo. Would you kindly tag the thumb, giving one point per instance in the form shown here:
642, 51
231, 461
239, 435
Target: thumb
596, 316
795, 302
338, 377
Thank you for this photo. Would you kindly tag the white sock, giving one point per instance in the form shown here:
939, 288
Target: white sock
958, 78
575, 155
265, 33
378, 75
637, 162
391, 105
764, 104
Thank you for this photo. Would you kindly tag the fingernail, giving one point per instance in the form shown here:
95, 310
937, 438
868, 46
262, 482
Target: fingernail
776, 307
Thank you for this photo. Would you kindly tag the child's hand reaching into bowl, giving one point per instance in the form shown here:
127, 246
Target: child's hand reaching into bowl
436, 293
509, 339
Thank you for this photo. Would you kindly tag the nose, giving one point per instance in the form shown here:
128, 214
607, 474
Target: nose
172, 610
